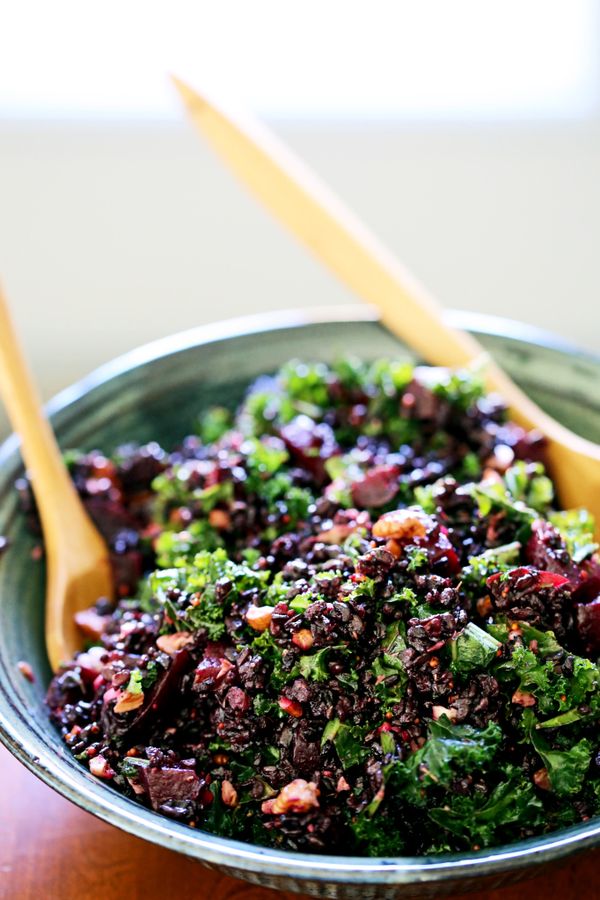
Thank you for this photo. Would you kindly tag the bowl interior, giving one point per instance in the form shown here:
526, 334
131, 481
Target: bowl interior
156, 394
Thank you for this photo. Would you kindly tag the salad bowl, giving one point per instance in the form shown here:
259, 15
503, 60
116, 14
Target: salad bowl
156, 393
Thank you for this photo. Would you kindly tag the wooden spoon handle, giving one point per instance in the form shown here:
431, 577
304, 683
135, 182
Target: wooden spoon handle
64, 521
293, 193
336, 236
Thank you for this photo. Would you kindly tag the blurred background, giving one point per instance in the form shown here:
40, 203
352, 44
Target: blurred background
467, 134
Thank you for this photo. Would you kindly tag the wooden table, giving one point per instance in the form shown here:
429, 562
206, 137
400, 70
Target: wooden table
51, 850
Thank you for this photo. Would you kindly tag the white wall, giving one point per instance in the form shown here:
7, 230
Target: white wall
114, 234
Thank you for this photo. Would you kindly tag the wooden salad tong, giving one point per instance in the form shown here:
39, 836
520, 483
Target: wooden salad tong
309, 209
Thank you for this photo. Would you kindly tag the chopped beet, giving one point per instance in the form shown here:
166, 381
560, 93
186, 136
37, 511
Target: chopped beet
547, 550
158, 703
378, 487
420, 402
140, 466
167, 784
440, 552
111, 518
587, 617
127, 570
310, 445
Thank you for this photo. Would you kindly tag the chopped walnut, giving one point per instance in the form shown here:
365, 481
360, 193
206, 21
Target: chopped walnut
259, 617
26, 670
128, 701
438, 711
303, 639
100, 767
299, 796
403, 524
171, 643
484, 606
522, 698
339, 531
228, 794
542, 780
393, 547
219, 519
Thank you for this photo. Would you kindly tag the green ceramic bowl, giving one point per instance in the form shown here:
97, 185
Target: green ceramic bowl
156, 393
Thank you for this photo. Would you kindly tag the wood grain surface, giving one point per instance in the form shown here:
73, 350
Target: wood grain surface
51, 850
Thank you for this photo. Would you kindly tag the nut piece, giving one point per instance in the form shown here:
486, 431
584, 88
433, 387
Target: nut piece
219, 519
128, 701
171, 643
228, 794
299, 796
339, 531
259, 617
403, 524
542, 780
26, 670
100, 767
522, 698
439, 711
303, 639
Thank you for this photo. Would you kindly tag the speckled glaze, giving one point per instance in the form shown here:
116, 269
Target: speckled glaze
156, 393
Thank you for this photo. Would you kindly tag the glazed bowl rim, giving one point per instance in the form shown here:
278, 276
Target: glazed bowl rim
23, 742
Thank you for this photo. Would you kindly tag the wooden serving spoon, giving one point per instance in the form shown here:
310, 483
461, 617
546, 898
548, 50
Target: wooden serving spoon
77, 563
294, 194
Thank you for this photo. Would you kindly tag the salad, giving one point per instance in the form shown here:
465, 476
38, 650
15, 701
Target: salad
351, 619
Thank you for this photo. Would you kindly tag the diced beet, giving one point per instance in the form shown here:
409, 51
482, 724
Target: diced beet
212, 668
587, 620
547, 551
90, 662
420, 402
168, 784
439, 549
378, 487
588, 589
305, 754
526, 445
523, 578
140, 468
127, 570
215, 649
157, 703
238, 699
530, 446
310, 445
109, 517
66, 687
